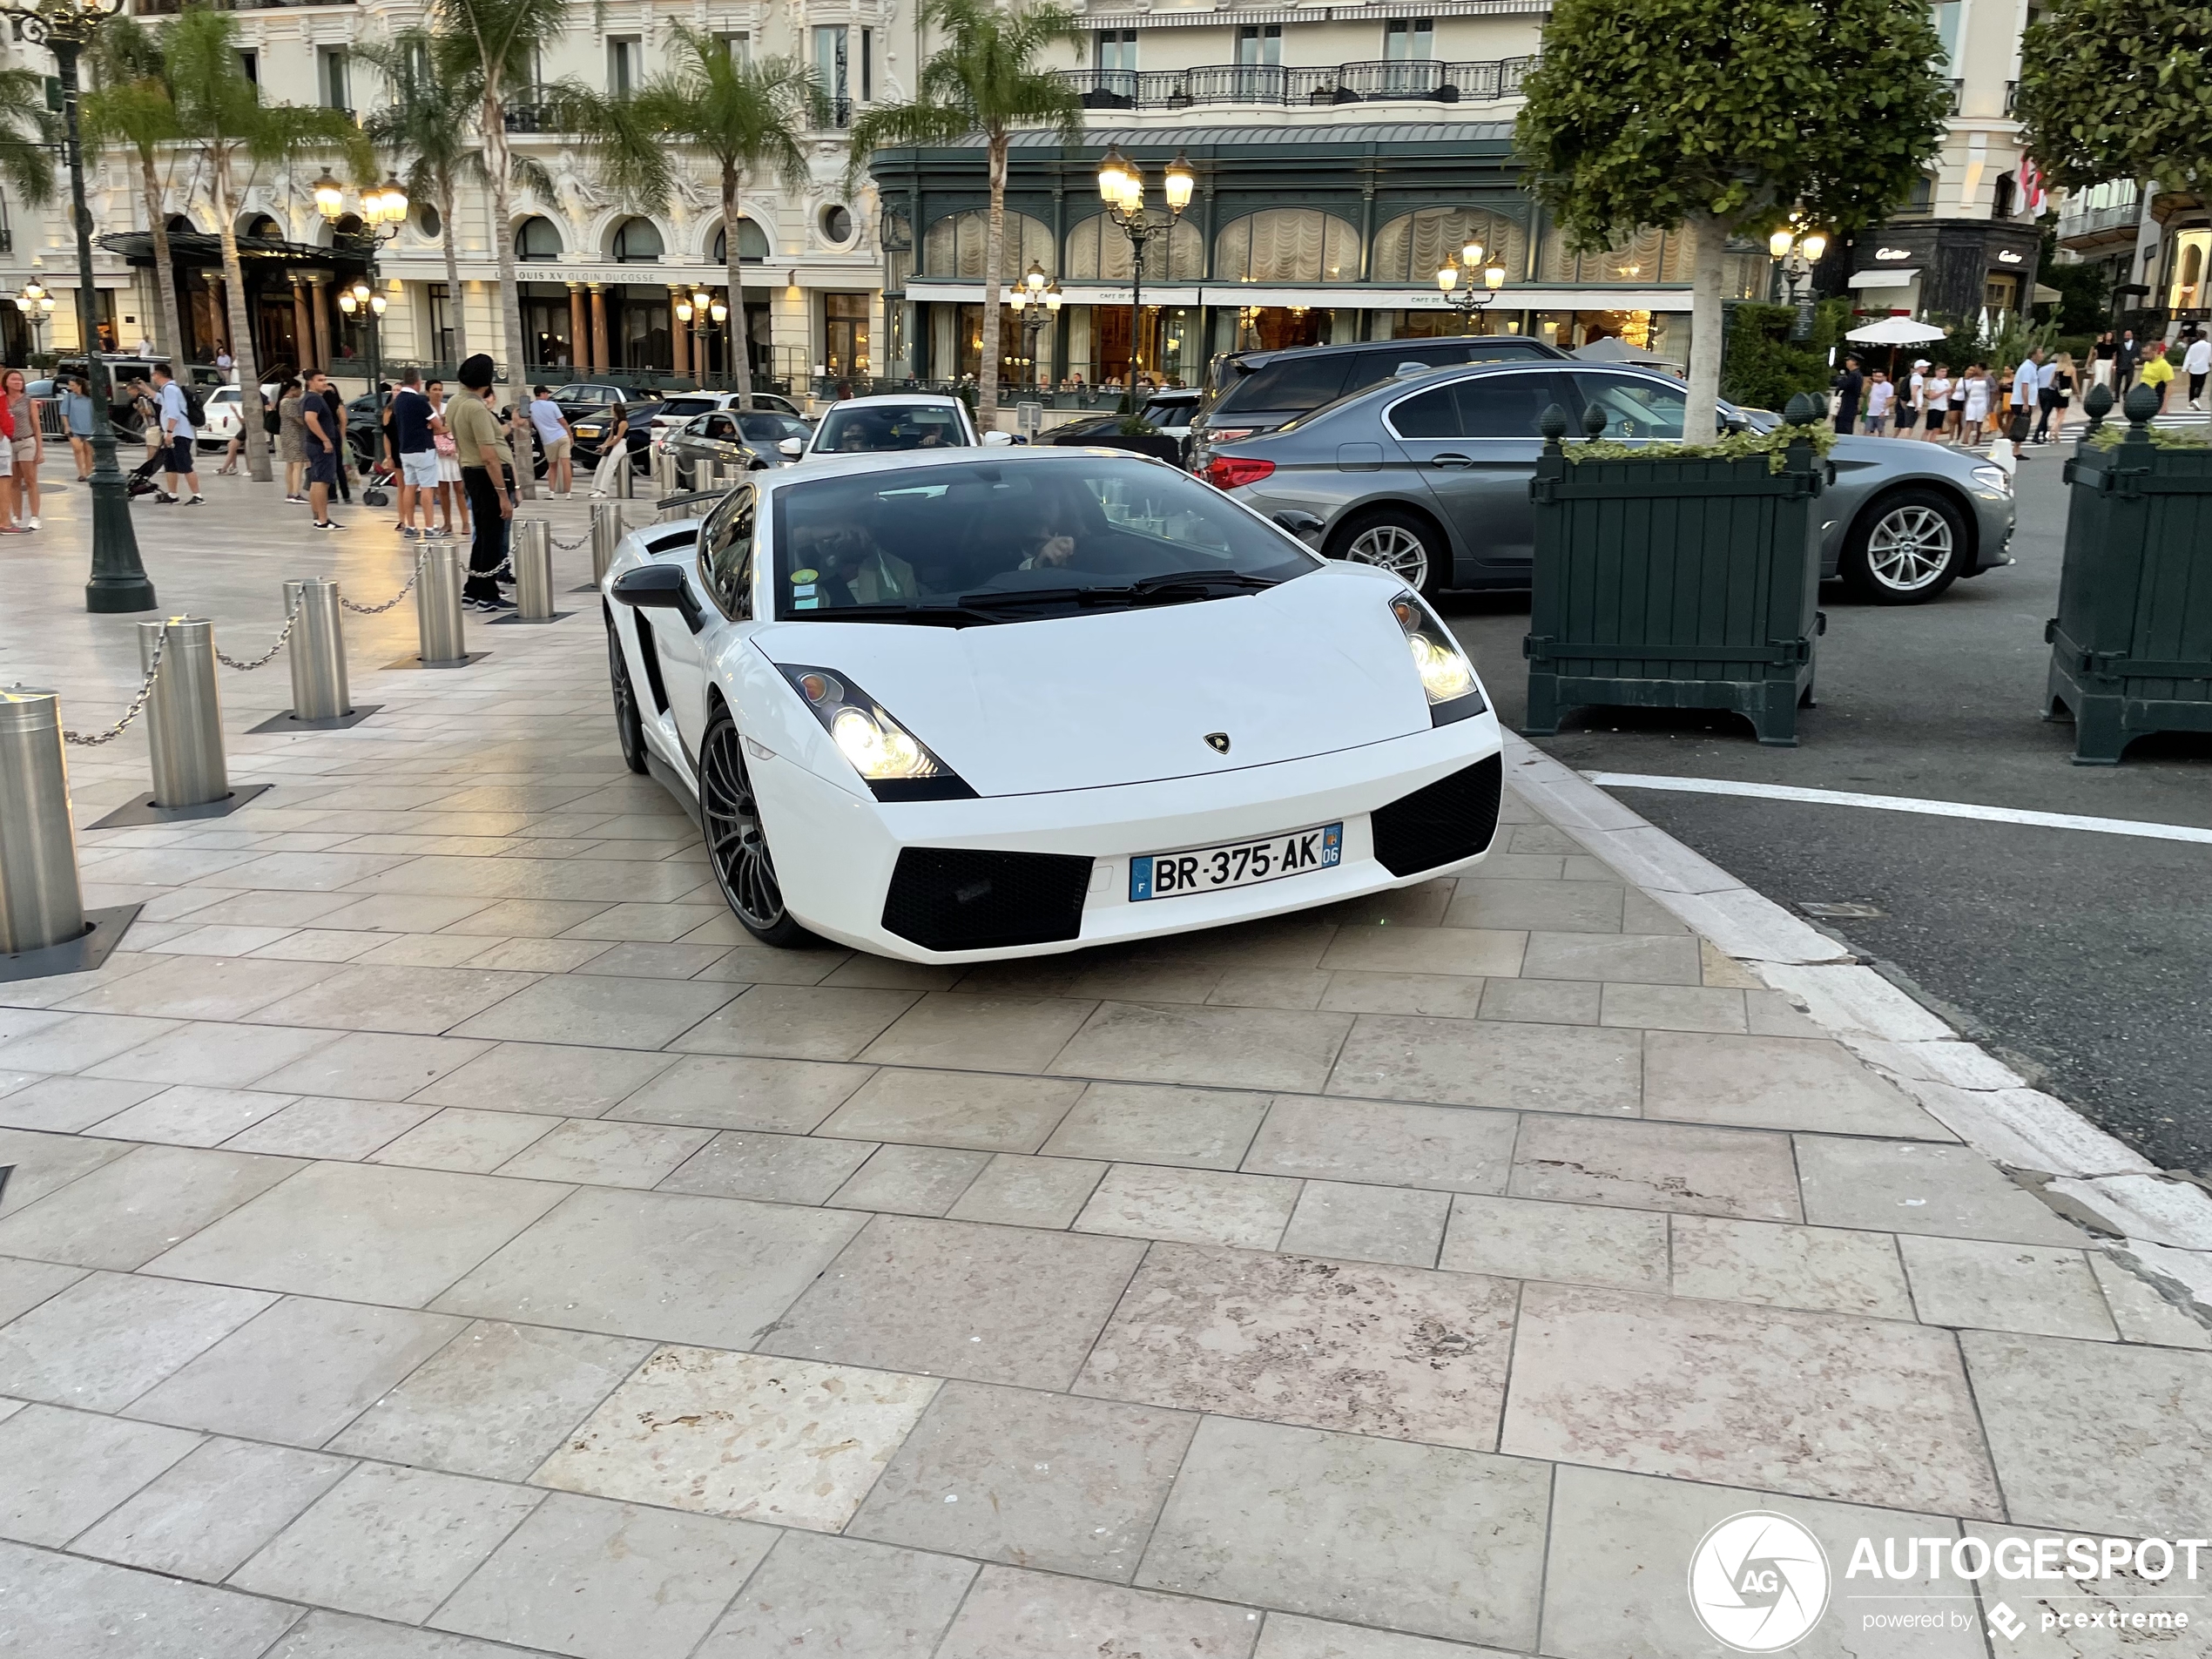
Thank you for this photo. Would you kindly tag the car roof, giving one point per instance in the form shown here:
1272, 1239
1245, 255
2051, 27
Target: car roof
834, 465
900, 401
1253, 359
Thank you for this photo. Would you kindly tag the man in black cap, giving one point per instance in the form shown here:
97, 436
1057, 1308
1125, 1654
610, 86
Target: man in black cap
487, 471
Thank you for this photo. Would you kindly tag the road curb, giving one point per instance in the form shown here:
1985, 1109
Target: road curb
2158, 1227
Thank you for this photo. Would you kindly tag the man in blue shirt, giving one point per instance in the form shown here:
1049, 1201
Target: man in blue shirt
178, 437
417, 451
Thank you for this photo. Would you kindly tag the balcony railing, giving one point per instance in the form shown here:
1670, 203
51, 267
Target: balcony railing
170, 8
1375, 81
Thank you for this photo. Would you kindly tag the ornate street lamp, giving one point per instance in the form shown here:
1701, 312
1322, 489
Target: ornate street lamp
1040, 300
1120, 184
384, 210
37, 305
1796, 248
1469, 301
118, 580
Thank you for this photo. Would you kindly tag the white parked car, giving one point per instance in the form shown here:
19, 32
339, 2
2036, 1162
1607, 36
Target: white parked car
224, 414
864, 426
679, 408
953, 707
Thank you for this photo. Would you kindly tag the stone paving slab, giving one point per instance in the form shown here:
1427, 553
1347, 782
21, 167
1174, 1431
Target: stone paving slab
438, 1199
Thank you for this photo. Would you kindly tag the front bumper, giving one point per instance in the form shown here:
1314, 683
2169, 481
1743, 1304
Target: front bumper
835, 852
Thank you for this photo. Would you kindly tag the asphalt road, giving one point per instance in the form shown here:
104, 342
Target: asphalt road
2085, 959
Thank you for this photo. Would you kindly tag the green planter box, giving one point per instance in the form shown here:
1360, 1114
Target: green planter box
2131, 647
1681, 583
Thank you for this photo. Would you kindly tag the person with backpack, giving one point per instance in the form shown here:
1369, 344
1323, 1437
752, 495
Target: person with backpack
180, 417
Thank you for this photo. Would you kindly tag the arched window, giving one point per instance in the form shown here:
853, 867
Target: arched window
265, 228
636, 241
1099, 253
536, 238
1414, 246
954, 246
1287, 245
179, 225
1648, 257
752, 245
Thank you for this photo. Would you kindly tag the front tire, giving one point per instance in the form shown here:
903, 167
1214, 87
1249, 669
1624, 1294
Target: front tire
1906, 549
630, 725
1411, 548
736, 845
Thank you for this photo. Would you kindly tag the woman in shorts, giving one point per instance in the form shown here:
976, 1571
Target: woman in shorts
291, 440
30, 446
451, 497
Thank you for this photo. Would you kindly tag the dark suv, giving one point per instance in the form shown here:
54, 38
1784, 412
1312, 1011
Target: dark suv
1262, 390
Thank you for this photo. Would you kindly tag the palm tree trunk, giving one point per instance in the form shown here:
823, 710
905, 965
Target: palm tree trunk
165, 268
255, 441
510, 296
456, 312
1706, 322
986, 393
740, 335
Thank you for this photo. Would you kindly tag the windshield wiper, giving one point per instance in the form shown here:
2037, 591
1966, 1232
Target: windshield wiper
1171, 580
958, 616
994, 597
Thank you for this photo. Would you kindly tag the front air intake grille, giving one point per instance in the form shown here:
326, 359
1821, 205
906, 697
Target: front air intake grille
955, 899
1452, 819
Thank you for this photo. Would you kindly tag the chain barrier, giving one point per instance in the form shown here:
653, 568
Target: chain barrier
137, 703
420, 559
569, 546
290, 620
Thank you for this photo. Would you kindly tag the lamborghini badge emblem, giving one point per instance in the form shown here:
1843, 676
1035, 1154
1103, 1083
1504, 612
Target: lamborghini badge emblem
1219, 742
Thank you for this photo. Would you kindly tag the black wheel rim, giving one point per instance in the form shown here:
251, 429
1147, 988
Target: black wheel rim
626, 716
734, 843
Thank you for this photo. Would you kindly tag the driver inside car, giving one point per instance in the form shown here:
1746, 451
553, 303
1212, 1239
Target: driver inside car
849, 559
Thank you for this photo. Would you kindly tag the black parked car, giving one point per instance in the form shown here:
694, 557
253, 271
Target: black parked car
1262, 390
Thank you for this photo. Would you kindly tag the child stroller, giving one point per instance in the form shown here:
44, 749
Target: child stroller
142, 476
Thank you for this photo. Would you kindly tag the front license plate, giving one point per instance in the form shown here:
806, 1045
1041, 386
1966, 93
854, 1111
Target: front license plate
1241, 864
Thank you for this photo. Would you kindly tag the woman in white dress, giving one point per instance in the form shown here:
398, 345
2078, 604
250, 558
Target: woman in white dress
451, 497
1979, 392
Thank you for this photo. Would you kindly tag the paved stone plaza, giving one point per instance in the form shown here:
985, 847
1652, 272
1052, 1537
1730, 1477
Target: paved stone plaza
438, 1228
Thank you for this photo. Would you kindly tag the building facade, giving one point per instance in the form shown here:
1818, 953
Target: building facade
1964, 250
1344, 152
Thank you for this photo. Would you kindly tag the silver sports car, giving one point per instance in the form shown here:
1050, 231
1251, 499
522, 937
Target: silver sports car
1427, 474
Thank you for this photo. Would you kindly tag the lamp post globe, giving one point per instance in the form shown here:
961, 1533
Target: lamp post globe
118, 580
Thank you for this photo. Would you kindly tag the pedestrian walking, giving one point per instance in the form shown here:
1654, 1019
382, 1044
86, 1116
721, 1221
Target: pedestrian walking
2027, 386
614, 453
77, 416
8, 525
2196, 363
1881, 397
415, 446
31, 445
1908, 399
324, 438
1935, 404
1956, 428
180, 433
2125, 357
486, 468
2157, 370
555, 437
149, 411
451, 499
2101, 360
2055, 398
292, 440
1971, 398
1849, 386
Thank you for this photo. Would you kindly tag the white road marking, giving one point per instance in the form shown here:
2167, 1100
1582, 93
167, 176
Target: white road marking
1903, 804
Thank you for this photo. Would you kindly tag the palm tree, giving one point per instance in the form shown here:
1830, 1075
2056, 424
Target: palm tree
422, 122
219, 112
745, 116
485, 50
29, 133
131, 110
984, 79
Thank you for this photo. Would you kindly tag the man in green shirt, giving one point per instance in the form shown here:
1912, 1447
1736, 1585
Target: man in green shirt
487, 476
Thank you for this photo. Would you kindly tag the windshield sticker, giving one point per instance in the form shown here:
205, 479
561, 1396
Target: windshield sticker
798, 576
807, 604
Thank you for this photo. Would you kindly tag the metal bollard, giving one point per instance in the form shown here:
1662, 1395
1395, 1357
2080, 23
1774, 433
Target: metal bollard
318, 648
606, 530
533, 560
40, 901
665, 475
184, 716
437, 608
626, 478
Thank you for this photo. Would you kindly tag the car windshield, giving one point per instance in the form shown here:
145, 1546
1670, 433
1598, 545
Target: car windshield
683, 408
998, 542
771, 429
875, 427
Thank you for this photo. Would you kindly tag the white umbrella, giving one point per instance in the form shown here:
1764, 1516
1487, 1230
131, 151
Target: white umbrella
1895, 330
